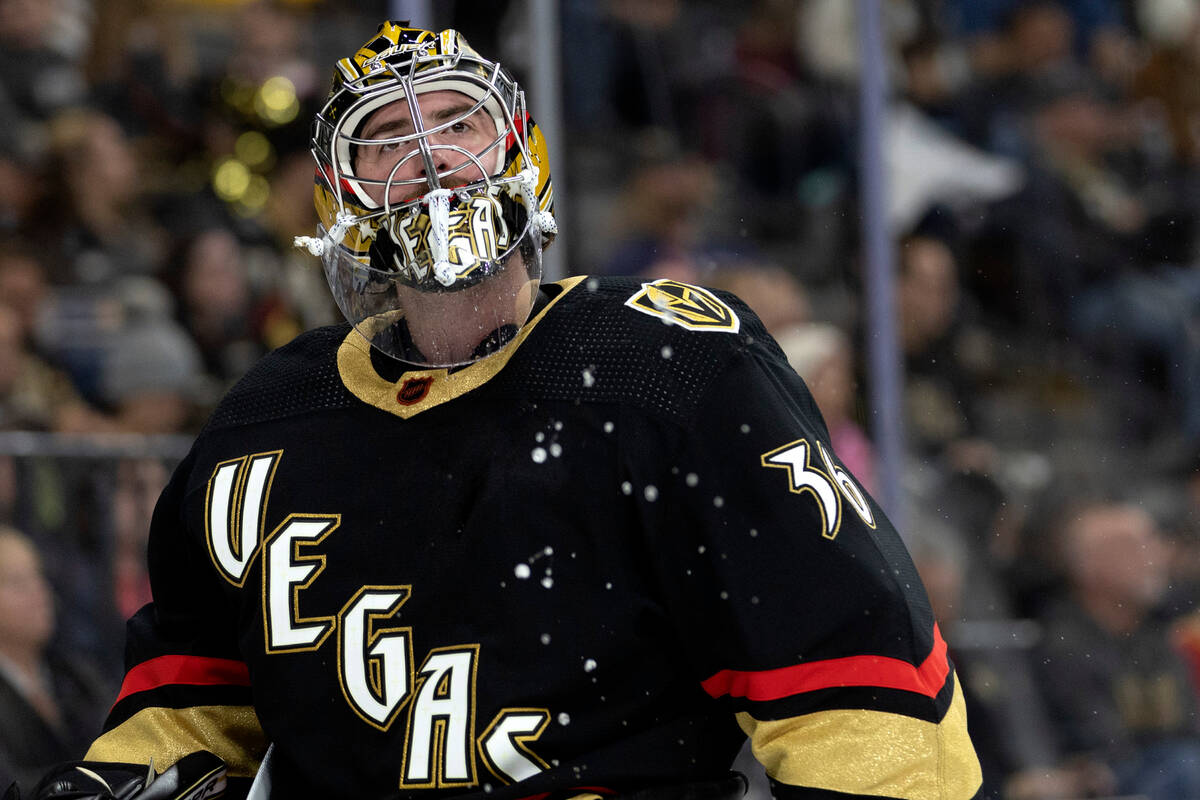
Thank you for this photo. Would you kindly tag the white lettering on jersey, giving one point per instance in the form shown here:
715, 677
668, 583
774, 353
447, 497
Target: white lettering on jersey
503, 744
441, 722
234, 510
375, 664
796, 458
285, 574
374, 660
850, 490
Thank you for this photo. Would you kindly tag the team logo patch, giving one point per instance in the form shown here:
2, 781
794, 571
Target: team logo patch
413, 391
683, 304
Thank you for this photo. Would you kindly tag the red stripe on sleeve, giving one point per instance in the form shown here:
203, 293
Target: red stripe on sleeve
184, 670
880, 671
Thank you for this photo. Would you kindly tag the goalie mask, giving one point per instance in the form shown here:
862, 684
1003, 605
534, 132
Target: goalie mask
434, 197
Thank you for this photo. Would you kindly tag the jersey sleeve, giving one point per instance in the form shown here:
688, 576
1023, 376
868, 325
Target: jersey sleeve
798, 605
186, 686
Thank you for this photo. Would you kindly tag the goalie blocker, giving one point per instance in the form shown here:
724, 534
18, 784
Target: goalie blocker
197, 776
201, 776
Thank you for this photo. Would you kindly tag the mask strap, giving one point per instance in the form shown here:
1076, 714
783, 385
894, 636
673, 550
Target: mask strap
318, 246
439, 235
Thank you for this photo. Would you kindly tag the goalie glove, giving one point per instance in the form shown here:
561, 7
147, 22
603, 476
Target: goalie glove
197, 776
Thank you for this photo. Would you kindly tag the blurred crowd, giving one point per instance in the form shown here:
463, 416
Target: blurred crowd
1043, 191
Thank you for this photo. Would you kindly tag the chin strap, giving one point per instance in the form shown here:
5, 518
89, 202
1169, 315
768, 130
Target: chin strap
318, 246
526, 190
439, 235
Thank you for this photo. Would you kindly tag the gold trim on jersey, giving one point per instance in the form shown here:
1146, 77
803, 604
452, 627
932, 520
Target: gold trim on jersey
168, 734
875, 753
437, 385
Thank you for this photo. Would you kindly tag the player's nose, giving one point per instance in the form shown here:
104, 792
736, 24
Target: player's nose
417, 166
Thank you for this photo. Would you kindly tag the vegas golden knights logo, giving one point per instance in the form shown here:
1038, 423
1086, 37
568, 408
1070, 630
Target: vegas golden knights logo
477, 233
685, 305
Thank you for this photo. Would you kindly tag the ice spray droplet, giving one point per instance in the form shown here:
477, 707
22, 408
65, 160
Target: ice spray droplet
521, 571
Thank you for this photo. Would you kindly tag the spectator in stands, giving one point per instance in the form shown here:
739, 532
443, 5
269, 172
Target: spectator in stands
130, 358
1005, 35
617, 52
51, 706
301, 288
231, 322
136, 486
661, 215
1116, 688
1031, 48
1106, 243
271, 42
1009, 722
779, 130
776, 295
944, 358
104, 229
34, 395
40, 72
823, 356
141, 69
152, 374
1167, 80
23, 285
20, 184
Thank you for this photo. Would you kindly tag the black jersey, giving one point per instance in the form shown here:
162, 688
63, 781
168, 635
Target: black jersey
591, 563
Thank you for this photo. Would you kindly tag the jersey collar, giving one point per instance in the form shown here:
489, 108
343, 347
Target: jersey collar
421, 389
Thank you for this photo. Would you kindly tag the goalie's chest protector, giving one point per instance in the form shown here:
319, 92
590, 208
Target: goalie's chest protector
445, 581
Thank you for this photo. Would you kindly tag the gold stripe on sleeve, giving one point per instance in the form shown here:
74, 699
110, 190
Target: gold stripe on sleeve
872, 753
169, 734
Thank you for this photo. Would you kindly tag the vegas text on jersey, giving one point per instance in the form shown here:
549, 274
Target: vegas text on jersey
592, 563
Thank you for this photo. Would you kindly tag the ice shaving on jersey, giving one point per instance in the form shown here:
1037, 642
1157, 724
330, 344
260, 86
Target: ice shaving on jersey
432, 180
